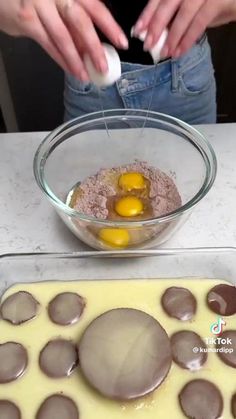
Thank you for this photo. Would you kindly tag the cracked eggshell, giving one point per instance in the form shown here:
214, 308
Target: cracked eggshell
114, 68
156, 50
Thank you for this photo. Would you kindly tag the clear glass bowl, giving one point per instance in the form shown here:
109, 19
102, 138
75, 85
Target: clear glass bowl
82, 147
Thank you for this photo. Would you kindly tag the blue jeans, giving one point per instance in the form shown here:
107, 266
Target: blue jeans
184, 88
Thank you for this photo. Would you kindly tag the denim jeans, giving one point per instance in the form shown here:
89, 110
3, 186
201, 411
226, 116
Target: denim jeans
184, 88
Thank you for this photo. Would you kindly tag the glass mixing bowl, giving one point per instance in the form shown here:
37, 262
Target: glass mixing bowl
82, 147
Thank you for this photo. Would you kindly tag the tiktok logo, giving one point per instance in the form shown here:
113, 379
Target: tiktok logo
217, 328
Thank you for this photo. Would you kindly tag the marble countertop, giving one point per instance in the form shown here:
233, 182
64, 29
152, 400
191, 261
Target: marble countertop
29, 223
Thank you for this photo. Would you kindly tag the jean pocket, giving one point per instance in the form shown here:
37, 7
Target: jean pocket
78, 87
197, 79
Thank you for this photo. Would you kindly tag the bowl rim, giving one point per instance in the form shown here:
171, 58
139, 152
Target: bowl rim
210, 167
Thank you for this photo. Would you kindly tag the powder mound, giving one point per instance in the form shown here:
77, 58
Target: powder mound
92, 204
95, 190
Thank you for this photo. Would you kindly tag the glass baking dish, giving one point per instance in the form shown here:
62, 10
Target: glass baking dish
200, 263
167, 264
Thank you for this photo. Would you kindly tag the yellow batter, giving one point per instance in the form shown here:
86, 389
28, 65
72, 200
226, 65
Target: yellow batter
29, 391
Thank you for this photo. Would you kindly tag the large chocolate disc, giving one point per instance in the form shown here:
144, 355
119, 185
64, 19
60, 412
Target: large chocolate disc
19, 308
66, 308
58, 407
222, 299
179, 303
200, 399
58, 358
9, 410
227, 347
188, 350
125, 354
13, 361
233, 405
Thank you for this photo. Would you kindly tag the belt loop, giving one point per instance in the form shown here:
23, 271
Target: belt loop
175, 75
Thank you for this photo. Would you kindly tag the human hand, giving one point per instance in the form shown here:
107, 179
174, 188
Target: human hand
65, 29
186, 20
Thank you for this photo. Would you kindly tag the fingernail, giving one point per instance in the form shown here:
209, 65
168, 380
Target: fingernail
84, 76
138, 27
123, 41
148, 42
165, 52
103, 67
177, 53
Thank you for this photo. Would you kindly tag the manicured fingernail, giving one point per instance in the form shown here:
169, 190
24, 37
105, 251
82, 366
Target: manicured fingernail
165, 52
138, 27
148, 42
103, 67
123, 41
177, 53
84, 76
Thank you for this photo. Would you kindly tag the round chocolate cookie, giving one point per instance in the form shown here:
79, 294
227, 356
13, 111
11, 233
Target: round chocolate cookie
58, 358
19, 308
227, 346
200, 399
125, 354
66, 308
222, 299
59, 407
8, 410
233, 405
188, 350
13, 361
179, 303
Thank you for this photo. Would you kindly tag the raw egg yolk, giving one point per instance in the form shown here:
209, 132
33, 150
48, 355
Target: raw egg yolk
115, 237
129, 206
130, 181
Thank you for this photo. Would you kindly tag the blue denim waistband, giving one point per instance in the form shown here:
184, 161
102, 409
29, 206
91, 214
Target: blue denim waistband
136, 66
137, 77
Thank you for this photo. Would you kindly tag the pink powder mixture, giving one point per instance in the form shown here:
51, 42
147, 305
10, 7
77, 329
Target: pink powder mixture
164, 196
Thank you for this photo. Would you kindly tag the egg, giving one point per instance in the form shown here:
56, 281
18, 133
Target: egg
114, 67
130, 181
115, 237
156, 50
129, 206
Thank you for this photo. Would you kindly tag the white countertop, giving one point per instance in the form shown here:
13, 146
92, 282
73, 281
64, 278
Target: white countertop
28, 222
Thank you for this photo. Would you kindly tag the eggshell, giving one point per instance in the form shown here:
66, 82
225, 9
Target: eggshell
114, 68
156, 50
